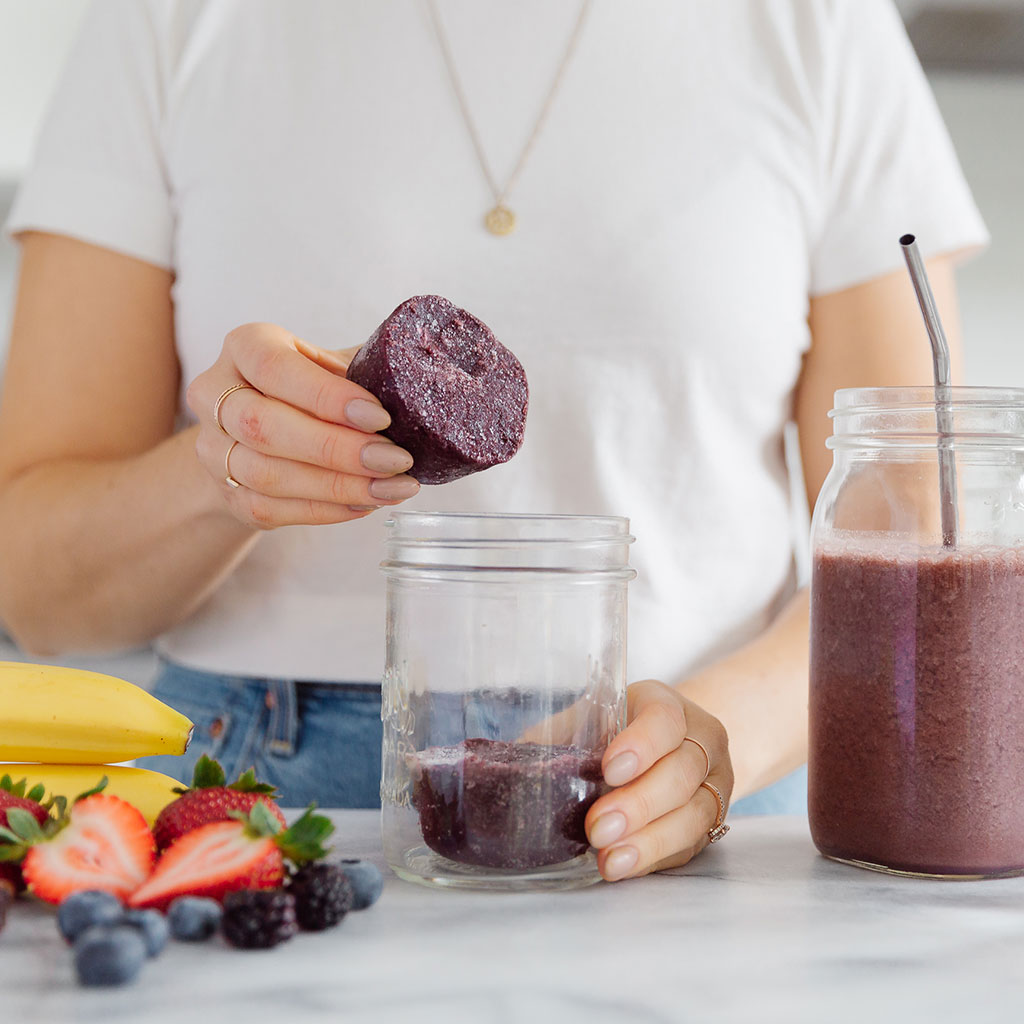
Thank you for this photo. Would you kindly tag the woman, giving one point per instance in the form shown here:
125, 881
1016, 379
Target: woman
708, 206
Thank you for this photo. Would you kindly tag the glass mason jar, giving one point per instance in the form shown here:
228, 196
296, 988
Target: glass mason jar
916, 753
504, 682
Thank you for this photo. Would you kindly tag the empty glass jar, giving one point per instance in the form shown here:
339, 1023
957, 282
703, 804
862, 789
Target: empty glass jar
504, 683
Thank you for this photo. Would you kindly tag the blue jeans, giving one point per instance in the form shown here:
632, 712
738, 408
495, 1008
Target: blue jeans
787, 796
321, 742
313, 741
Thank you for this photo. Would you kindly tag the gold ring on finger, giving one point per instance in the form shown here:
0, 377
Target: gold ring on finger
704, 751
240, 386
719, 828
229, 479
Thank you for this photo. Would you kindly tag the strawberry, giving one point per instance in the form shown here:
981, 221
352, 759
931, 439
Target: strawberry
12, 794
103, 843
211, 799
245, 852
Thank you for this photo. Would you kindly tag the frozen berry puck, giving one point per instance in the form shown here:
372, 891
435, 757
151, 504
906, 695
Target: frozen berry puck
456, 396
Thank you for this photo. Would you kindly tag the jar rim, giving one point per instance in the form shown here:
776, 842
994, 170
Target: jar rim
980, 421
850, 401
435, 528
582, 546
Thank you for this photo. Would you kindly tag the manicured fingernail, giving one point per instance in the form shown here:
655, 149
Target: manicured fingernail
620, 862
385, 458
394, 488
368, 416
620, 769
607, 829
364, 508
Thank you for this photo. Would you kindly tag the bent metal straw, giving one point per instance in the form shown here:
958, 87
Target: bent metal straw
943, 406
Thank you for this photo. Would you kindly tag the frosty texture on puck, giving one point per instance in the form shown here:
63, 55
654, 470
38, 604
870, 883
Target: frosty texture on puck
457, 397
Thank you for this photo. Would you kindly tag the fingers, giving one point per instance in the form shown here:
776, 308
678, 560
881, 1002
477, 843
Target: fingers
307, 447
289, 370
670, 782
661, 815
273, 428
657, 725
669, 841
284, 478
269, 357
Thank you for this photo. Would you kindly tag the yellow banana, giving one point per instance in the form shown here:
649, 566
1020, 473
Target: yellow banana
149, 791
70, 716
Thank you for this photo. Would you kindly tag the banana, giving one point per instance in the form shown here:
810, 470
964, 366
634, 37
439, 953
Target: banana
149, 791
70, 716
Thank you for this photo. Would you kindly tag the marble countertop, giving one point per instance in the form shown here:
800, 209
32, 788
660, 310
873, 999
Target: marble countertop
758, 929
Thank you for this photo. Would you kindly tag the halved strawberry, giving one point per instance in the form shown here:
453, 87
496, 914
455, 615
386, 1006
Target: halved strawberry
211, 799
104, 843
225, 856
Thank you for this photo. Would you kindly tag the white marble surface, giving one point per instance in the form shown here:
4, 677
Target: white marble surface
758, 929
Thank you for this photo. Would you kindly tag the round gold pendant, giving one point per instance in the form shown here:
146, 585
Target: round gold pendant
500, 221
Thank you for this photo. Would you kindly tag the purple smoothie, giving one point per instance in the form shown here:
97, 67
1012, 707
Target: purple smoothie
916, 755
505, 805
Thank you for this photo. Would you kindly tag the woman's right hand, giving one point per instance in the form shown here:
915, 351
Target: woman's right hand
303, 439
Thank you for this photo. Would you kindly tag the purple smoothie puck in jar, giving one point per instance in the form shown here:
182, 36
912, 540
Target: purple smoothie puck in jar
456, 396
514, 806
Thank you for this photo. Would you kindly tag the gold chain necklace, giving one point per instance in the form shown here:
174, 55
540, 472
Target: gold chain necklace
500, 220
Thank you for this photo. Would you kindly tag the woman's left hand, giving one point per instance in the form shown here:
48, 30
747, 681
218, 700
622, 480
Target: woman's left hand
659, 814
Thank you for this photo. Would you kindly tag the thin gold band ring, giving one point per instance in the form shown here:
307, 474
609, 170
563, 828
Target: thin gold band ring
704, 751
241, 385
229, 479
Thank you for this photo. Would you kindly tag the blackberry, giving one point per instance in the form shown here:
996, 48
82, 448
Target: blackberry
6, 898
258, 919
323, 896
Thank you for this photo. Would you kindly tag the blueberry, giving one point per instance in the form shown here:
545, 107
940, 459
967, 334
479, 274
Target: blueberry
153, 926
194, 918
108, 954
88, 907
366, 881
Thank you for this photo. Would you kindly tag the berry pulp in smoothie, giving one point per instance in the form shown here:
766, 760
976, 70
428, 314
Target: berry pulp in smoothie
504, 805
916, 758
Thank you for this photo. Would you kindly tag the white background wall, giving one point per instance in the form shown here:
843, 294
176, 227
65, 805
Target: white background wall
34, 35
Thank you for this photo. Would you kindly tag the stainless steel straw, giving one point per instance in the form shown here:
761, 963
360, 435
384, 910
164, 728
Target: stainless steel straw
943, 402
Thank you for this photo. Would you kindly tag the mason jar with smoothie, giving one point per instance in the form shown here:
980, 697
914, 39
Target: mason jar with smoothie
916, 754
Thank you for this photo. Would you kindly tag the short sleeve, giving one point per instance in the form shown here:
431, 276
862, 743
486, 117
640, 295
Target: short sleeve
887, 162
98, 172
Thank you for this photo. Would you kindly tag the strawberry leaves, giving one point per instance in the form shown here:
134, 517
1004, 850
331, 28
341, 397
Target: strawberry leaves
37, 792
208, 774
247, 783
22, 832
301, 842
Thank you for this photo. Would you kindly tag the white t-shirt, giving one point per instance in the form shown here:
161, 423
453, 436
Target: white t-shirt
705, 168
